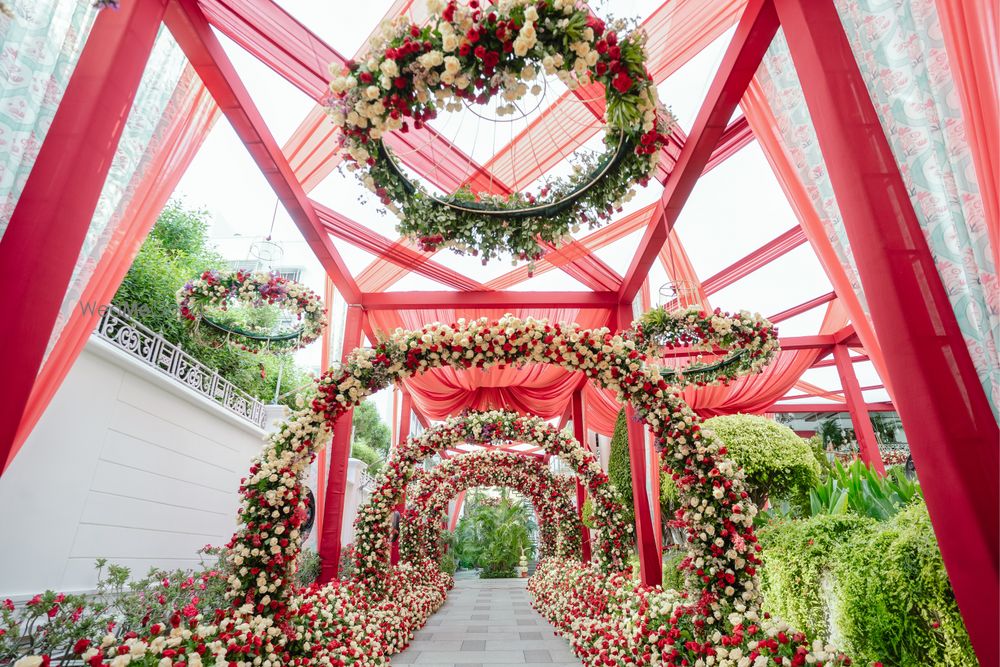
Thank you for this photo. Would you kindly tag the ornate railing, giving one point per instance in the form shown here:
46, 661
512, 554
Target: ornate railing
144, 344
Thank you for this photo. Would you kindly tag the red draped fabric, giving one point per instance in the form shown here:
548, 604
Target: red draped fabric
545, 391
764, 124
183, 133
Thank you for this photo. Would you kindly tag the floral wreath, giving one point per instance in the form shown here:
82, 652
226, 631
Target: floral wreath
559, 525
469, 54
217, 289
743, 344
371, 531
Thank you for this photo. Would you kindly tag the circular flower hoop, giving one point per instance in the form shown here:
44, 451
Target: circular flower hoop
741, 345
468, 54
558, 523
219, 289
722, 555
371, 525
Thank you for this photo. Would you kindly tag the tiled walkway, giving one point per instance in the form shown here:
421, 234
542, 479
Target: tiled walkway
487, 623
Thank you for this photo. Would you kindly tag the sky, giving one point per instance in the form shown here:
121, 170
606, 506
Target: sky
734, 209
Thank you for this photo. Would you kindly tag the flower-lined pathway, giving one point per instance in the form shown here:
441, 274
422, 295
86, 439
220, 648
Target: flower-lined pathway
487, 623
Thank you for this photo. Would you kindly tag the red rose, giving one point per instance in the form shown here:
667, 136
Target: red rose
80, 646
464, 48
399, 82
601, 68
596, 24
622, 82
480, 52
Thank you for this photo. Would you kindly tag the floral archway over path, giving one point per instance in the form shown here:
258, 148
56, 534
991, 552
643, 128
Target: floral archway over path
558, 522
371, 531
718, 515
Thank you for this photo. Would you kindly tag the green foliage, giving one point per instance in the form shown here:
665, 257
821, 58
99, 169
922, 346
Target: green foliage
493, 536
447, 561
877, 589
897, 604
176, 250
797, 556
620, 468
361, 451
672, 577
587, 513
370, 429
859, 489
778, 464
308, 567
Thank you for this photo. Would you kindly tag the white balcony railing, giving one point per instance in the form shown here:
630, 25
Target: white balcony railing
142, 343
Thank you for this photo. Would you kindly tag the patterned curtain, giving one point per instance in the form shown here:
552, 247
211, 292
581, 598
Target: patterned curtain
163, 86
902, 58
40, 42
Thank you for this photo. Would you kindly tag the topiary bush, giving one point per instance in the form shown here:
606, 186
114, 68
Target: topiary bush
779, 465
620, 467
875, 589
361, 451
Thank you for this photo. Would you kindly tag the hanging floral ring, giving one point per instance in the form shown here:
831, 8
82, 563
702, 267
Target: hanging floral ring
737, 343
467, 55
208, 299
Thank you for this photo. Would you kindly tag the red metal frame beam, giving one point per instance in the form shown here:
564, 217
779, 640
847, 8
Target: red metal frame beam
489, 299
580, 433
952, 432
650, 564
368, 240
753, 35
760, 257
802, 307
340, 452
826, 407
191, 30
42, 241
833, 362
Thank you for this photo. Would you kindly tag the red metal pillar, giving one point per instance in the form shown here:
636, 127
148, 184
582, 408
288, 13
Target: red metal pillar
457, 511
867, 443
404, 433
650, 565
42, 242
951, 429
324, 363
580, 433
340, 451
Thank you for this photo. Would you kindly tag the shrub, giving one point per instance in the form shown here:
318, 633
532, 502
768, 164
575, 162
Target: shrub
878, 590
859, 489
620, 473
896, 601
778, 464
361, 451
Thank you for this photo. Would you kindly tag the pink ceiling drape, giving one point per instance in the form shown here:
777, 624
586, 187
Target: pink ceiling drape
545, 391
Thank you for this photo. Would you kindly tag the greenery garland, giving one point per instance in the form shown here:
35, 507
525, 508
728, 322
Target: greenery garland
468, 54
216, 289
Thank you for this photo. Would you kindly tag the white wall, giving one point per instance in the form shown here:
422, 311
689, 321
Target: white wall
126, 464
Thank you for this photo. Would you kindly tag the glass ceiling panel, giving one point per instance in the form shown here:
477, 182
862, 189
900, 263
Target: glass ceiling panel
618, 255
734, 209
281, 104
345, 26
553, 280
784, 283
684, 91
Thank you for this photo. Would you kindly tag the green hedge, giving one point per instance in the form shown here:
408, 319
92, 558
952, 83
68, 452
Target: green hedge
878, 590
778, 464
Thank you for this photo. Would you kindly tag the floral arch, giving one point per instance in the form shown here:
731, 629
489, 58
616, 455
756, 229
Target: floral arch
371, 527
718, 515
558, 522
